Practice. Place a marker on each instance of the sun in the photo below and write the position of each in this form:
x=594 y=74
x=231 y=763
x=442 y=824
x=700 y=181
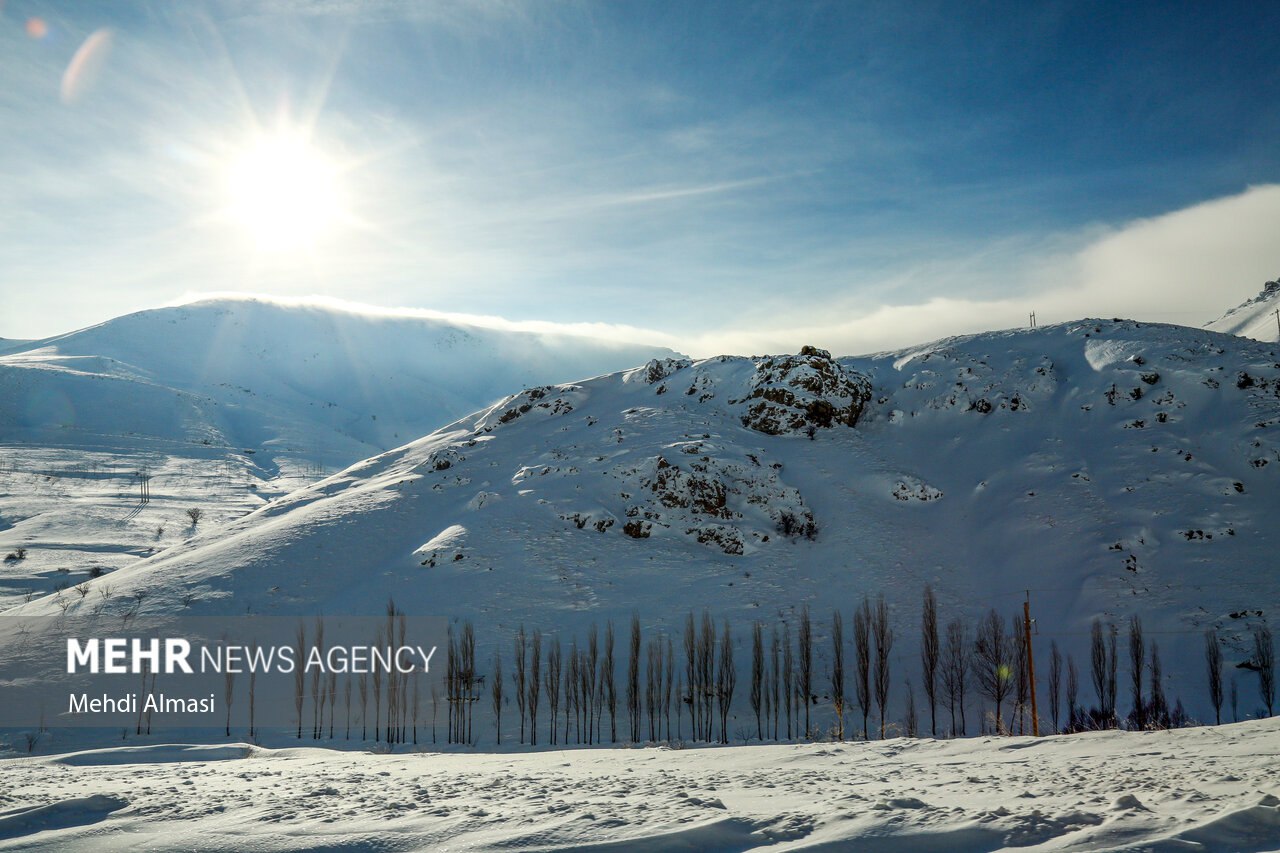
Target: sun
x=283 y=192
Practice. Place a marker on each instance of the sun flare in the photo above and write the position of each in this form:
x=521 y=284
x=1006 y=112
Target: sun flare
x=283 y=192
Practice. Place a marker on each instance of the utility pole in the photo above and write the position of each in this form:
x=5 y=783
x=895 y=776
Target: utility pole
x=1031 y=665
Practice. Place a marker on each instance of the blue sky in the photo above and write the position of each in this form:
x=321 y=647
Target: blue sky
x=715 y=176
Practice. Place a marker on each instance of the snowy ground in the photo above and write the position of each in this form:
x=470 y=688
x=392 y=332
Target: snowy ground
x=1211 y=788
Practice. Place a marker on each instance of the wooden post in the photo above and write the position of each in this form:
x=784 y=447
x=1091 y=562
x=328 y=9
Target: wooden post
x=1031 y=665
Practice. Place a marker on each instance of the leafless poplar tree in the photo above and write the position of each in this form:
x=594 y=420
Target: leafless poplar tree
x=653 y=684
x=788 y=666
x=534 y=685
x=1159 y=715
x=362 y=687
x=495 y=695
x=882 y=633
x=690 y=675
x=633 y=673
x=299 y=673
x=955 y=671
x=1073 y=694
x=552 y=679
x=668 y=684
x=912 y=724
x=1213 y=664
x=837 y=671
x=862 y=657
x=726 y=681
x=756 y=695
x=608 y=684
x=775 y=679
x=1264 y=657
x=1111 y=676
x=805 y=683
x=520 y=676
x=228 y=694
x=929 y=654
x=317 y=706
x=346 y=690
x=1137 y=664
x=707 y=674
x=1055 y=683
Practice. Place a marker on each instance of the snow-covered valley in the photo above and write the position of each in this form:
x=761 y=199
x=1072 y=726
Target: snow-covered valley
x=1102 y=468
x=1203 y=789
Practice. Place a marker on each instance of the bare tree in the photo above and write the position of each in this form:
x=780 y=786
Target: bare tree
x=805 y=684
x=862 y=657
x=253 y=702
x=495 y=695
x=775 y=679
x=1213 y=664
x=1137 y=662
x=1235 y=700
x=1159 y=713
x=299 y=673
x=332 y=694
x=346 y=690
x=912 y=725
x=552 y=683
x=882 y=633
x=1073 y=694
x=929 y=654
x=520 y=676
x=837 y=671
x=1102 y=659
x=571 y=690
x=376 y=677
x=195 y=514
x=362 y=687
x=726 y=681
x=633 y=675
x=1055 y=683
x=317 y=683
x=690 y=675
x=991 y=661
x=756 y=696
x=955 y=671
x=707 y=674
x=669 y=684
x=534 y=685
x=1264 y=657
x=609 y=687
x=229 y=694
x=653 y=685
x=1111 y=675
x=787 y=673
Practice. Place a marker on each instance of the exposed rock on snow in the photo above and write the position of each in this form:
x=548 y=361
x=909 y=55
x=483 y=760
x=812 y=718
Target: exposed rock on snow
x=795 y=392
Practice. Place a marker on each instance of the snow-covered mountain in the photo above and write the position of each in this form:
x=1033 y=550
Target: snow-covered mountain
x=1254 y=318
x=328 y=385
x=220 y=405
x=1109 y=467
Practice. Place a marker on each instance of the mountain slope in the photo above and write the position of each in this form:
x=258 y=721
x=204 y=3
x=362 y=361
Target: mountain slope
x=1255 y=318
x=1109 y=467
x=110 y=434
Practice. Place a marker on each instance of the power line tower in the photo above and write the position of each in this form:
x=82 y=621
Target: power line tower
x=1033 y=319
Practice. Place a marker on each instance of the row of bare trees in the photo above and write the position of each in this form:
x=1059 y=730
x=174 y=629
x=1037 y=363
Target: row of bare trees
x=686 y=686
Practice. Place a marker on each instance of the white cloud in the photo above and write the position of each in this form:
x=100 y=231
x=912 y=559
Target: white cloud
x=1185 y=267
